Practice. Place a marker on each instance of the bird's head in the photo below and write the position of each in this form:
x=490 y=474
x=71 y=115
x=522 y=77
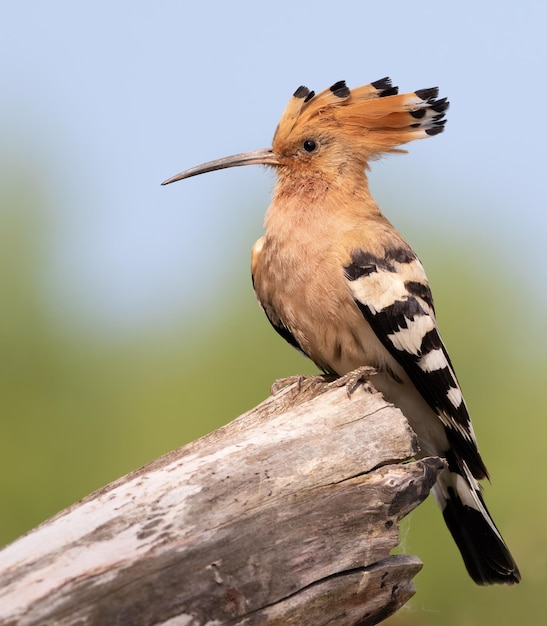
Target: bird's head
x=340 y=129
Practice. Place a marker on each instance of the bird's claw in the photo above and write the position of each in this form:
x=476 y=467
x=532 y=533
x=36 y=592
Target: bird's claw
x=352 y=380
x=299 y=379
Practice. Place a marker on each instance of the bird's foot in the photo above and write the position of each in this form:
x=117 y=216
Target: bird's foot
x=300 y=380
x=352 y=380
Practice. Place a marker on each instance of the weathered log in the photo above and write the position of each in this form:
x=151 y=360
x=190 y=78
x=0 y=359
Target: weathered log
x=286 y=515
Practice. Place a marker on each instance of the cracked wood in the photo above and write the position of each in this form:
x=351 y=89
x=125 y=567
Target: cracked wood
x=286 y=515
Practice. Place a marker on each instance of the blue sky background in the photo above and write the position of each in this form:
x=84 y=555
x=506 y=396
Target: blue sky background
x=101 y=101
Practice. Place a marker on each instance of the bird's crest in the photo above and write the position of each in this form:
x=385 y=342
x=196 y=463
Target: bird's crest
x=376 y=116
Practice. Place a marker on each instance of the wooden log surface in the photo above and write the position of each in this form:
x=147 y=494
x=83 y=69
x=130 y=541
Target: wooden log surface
x=287 y=515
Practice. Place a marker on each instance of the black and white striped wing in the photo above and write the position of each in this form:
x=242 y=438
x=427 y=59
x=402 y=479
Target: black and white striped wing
x=393 y=294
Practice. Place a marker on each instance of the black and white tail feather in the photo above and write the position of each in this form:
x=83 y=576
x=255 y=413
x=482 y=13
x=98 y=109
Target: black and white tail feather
x=484 y=552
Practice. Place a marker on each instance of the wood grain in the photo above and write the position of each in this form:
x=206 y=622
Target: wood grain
x=287 y=515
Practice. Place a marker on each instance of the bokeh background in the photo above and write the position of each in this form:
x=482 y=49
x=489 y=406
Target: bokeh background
x=128 y=325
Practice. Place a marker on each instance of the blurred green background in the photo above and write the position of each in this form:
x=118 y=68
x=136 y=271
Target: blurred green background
x=128 y=325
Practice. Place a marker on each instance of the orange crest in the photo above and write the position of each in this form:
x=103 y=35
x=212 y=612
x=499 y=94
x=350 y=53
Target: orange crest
x=374 y=116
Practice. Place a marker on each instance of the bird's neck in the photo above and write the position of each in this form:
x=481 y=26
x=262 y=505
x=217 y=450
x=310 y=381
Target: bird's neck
x=319 y=202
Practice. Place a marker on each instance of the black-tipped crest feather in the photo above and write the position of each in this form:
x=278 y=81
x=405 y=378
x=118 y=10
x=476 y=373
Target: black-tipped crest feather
x=372 y=119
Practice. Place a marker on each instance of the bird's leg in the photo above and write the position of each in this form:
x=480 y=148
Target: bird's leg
x=353 y=379
x=300 y=379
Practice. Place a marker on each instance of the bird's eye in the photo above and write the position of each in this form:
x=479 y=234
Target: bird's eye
x=309 y=145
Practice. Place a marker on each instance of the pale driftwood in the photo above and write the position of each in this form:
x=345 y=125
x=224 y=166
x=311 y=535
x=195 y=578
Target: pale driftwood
x=285 y=516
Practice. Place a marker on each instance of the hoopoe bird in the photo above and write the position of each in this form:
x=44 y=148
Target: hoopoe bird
x=338 y=282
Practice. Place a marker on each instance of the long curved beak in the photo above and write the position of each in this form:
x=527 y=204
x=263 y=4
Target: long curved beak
x=265 y=156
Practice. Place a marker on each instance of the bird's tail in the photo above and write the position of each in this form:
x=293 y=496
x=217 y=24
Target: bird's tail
x=484 y=552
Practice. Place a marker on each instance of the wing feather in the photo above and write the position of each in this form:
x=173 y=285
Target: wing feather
x=394 y=297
